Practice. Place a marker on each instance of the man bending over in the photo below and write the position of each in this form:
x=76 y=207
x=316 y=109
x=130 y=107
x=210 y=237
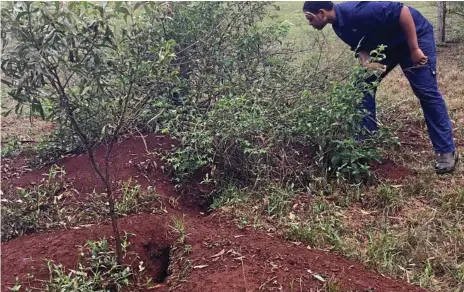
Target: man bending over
x=410 y=43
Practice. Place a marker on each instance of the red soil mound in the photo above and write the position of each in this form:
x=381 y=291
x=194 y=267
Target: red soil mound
x=223 y=257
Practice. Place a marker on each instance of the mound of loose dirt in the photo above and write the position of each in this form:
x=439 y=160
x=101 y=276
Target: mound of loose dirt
x=222 y=258
x=130 y=159
x=27 y=254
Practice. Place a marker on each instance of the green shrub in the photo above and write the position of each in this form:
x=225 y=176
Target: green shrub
x=260 y=136
x=86 y=67
x=96 y=271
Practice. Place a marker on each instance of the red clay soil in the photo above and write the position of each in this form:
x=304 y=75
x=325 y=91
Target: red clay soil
x=27 y=254
x=224 y=258
x=414 y=135
x=389 y=170
x=250 y=261
x=129 y=160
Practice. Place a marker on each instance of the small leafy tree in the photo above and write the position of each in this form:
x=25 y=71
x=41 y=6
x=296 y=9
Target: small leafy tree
x=92 y=67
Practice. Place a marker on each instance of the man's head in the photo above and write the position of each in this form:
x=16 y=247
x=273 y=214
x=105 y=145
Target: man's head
x=318 y=13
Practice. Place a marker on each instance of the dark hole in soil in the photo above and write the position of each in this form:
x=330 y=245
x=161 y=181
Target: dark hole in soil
x=161 y=259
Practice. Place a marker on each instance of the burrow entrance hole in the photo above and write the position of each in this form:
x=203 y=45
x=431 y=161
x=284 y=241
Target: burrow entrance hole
x=160 y=258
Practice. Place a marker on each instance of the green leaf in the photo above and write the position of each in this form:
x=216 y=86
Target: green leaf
x=123 y=10
x=85 y=90
x=37 y=107
x=117 y=5
x=100 y=9
x=21 y=14
x=138 y=4
x=16 y=288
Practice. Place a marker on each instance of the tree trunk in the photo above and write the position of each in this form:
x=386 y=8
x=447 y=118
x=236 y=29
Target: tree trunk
x=441 y=21
x=114 y=224
x=109 y=192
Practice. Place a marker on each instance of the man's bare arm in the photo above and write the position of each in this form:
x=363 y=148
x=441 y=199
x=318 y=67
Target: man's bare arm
x=409 y=29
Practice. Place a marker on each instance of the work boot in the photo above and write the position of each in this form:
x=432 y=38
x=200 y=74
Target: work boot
x=446 y=162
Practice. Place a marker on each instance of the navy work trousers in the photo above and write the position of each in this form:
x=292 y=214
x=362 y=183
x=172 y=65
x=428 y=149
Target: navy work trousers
x=423 y=81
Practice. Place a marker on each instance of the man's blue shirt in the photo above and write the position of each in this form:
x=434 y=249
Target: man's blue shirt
x=366 y=25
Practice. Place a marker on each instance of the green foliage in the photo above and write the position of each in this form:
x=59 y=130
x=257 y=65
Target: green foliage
x=49 y=204
x=12 y=146
x=133 y=198
x=263 y=136
x=59 y=141
x=324 y=228
x=179 y=228
x=222 y=48
x=96 y=271
x=35 y=208
x=390 y=199
x=95 y=72
x=83 y=67
x=230 y=196
x=278 y=201
x=384 y=251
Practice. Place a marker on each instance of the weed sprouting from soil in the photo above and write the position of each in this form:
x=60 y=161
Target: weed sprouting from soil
x=96 y=270
x=34 y=208
x=52 y=204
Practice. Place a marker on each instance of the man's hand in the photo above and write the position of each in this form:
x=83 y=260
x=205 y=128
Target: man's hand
x=409 y=29
x=381 y=68
x=418 y=57
x=364 y=59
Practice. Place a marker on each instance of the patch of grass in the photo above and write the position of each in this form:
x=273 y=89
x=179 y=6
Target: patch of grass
x=278 y=201
x=96 y=270
x=453 y=201
x=11 y=146
x=332 y=285
x=33 y=208
x=52 y=203
x=323 y=230
x=414 y=232
x=179 y=228
x=231 y=196
x=422 y=243
x=133 y=199
x=426 y=278
x=181 y=265
x=384 y=251
x=389 y=199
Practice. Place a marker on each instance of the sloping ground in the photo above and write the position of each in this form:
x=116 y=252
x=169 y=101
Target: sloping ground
x=236 y=260
x=222 y=258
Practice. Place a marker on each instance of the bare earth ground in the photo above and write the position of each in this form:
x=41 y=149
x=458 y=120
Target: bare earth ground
x=223 y=257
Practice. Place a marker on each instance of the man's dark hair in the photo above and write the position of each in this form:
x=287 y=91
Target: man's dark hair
x=315 y=6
